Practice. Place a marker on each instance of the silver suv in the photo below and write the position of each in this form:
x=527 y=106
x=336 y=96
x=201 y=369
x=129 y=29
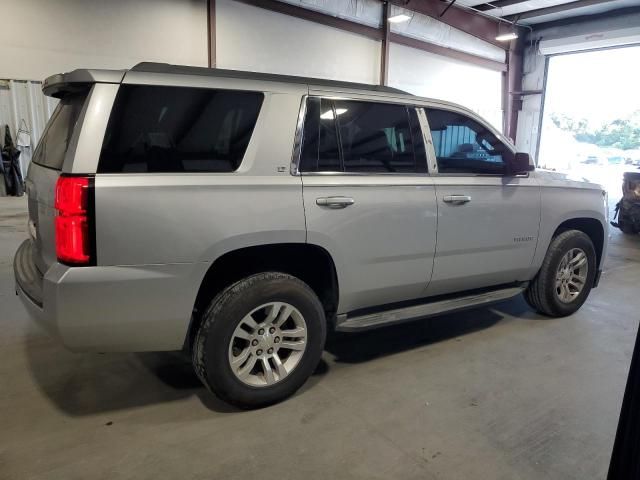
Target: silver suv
x=238 y=216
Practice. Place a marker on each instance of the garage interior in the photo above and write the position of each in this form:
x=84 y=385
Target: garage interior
x=494 y=393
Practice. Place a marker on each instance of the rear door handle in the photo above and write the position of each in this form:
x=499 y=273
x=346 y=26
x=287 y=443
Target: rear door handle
x=457 y=199
x=335 y=202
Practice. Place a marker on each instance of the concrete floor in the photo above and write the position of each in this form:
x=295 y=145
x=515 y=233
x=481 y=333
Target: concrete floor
x=497 y=393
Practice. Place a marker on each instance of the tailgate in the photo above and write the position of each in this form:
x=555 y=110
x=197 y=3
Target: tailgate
x=46 y=166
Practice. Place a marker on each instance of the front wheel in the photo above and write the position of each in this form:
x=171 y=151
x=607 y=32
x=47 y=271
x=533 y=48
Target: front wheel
x=567 y=274
x=260 y=339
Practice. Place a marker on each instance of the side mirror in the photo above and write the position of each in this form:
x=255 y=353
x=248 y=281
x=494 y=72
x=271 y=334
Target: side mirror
x=520 y=163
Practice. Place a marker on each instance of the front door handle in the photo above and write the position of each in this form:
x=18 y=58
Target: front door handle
x=335 y=202
x=457 y=199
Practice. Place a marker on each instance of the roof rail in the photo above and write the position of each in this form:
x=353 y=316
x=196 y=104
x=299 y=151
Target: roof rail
x=152 y=67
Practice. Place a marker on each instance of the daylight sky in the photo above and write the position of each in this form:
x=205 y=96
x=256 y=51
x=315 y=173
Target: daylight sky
x=599 y=86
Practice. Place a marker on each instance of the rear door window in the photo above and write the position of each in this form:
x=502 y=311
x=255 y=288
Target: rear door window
x=375 y=137
x=54 y=143
x=361 y=137
x=320 y=152
x=178 y=129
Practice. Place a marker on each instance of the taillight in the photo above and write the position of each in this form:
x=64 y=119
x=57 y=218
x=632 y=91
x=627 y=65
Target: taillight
x=73 y=241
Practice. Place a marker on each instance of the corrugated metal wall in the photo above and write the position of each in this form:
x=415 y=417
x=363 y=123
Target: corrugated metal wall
x=22 y=103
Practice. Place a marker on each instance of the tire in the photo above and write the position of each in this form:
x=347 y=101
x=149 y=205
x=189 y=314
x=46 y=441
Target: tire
x=226 y=322
x=543 y=294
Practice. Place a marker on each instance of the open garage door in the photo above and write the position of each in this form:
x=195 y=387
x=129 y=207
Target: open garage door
x=591 y=121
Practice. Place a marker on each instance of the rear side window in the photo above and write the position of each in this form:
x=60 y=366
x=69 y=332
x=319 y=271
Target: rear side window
x=178 y=129
x=363 y=137
x=54 y=144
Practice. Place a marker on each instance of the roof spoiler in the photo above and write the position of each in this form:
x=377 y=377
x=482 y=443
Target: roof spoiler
x=63 y=83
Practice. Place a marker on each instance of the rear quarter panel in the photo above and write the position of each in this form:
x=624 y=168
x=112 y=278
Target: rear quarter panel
x=158 y=233
x=155 y=218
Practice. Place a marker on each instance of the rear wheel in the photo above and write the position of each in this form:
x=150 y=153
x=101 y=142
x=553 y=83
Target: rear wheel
x=260 y=339
x=565 y=279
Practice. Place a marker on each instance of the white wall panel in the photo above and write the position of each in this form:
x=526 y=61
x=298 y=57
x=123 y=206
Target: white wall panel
x=42 y=37
x=252 y=38
x=430 y=75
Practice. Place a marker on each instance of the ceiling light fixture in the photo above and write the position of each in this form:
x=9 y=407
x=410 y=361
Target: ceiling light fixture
x=505 y=37
x=399 y=18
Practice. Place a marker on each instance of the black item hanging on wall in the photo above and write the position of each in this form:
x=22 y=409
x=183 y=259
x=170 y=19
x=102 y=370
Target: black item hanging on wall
x=625 y=459
x=11 y=166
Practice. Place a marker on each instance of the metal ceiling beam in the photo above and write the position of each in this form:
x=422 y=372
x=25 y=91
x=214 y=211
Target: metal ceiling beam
x=377 y=34
x=448 y=52
x=565 y=7
x=479 y=26
x=483 y=7
x=317 y=17
x=620 y=12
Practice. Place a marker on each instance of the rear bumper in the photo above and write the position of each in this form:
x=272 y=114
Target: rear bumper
x=29 y=286
x=111 y=308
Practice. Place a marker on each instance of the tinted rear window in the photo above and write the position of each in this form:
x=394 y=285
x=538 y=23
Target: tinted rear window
x=178 y=129
x=54 y=143
x=362 y=137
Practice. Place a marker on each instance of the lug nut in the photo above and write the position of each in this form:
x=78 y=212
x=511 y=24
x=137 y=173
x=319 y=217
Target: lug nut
x=261 y=331
x=270 y=351
x=259 y=352
x=254 y=342
x=276 y=340
x=272 y=330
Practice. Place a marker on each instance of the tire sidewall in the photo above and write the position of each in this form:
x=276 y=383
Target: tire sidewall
x=579 y=240
x=224 y=315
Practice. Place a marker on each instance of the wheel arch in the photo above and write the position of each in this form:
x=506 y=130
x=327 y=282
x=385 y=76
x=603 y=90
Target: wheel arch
x=310 y=263
x=592 y=227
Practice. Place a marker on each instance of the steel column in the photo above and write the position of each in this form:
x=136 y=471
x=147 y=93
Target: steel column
x=384 y=48
x=211 y=32
x=513 y=86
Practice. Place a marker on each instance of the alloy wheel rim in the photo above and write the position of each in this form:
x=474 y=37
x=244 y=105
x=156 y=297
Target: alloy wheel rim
x=268 y=344
x=571 y=275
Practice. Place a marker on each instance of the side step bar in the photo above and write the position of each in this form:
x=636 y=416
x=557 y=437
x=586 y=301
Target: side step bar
x=348 y=323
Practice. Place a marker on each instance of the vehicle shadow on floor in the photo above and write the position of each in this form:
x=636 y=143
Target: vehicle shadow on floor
x=88 y=384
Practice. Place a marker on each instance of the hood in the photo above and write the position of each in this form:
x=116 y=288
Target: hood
x=569 y=180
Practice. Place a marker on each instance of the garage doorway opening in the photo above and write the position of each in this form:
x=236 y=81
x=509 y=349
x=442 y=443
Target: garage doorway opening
x=591 y=121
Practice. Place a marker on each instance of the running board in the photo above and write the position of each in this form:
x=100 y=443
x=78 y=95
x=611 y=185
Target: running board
x=347 y=323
